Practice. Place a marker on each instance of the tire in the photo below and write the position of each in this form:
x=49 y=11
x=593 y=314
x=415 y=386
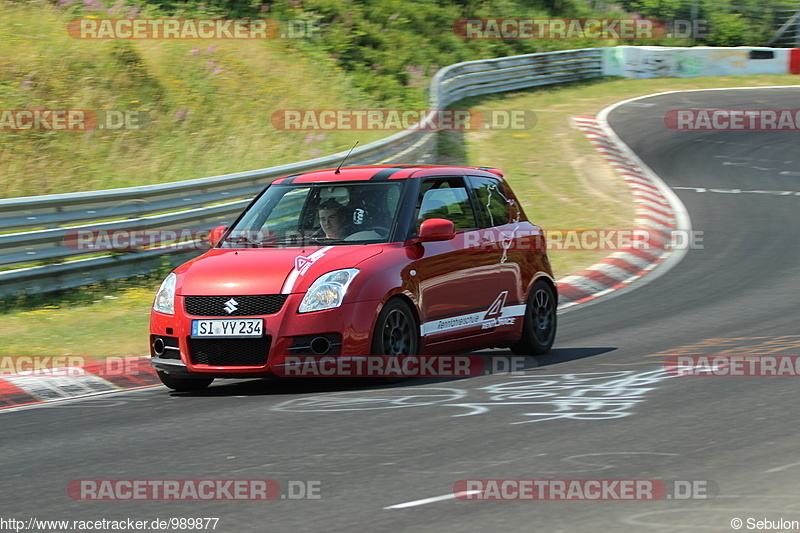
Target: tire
x=539 y=323
x=184 y=384
x=396 y=333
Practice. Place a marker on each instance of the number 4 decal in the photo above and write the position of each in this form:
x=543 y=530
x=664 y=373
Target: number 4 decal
x=497 y=306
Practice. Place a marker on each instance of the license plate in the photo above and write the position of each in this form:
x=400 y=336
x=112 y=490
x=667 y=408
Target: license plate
x=239 y=327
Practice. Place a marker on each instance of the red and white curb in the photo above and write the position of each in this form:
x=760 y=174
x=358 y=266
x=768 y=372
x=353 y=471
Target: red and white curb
x=23 y=389
x=655 y=217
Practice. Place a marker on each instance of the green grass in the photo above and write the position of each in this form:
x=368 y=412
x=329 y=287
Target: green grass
x=105 y=319
x=209 y=104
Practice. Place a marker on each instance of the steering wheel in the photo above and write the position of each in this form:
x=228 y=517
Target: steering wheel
x=318 y=236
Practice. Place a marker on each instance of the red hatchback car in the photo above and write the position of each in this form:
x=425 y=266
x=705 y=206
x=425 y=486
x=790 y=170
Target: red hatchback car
x=369 y=260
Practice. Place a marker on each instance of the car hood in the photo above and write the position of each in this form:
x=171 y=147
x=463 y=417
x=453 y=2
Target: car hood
x=223 y=272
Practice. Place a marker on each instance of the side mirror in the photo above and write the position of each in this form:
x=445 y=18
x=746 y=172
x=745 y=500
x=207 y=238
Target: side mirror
x=436 y=229
x=215 y=235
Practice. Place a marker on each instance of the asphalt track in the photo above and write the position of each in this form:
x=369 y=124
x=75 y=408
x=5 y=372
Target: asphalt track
x=598 y=407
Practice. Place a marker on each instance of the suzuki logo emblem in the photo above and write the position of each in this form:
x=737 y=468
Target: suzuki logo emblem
x=231 y=306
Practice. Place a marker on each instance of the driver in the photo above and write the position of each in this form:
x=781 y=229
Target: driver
x=332 y=218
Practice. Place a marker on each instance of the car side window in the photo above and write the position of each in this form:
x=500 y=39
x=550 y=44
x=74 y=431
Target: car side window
x=491 y=200
x=445 y=198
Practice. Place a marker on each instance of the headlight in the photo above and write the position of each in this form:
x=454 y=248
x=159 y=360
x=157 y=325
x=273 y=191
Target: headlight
x=165 y=297
x=328 y=290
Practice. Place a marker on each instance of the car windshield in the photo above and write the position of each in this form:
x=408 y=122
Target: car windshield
x=318 y=214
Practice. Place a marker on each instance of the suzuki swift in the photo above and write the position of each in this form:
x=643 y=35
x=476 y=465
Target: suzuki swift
x=358 y=261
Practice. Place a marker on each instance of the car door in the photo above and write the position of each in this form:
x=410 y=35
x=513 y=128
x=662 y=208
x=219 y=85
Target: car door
x=502 y=238
x=457 y=278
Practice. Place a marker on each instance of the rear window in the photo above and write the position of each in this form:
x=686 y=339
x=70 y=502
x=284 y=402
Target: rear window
x=491 y=200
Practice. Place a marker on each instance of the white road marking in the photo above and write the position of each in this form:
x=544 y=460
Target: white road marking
x=435 y=499
x=739 y=191
x=780 y=468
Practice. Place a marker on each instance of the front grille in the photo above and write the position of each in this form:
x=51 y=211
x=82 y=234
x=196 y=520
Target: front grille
x=230 y=352
x=263 y=304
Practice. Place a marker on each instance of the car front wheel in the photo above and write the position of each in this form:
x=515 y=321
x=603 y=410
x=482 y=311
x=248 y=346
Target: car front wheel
x=396 y=334
x=539 y=322
x=396 y=331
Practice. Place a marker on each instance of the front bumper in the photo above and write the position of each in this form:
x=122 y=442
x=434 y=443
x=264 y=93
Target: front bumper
x=348 y=329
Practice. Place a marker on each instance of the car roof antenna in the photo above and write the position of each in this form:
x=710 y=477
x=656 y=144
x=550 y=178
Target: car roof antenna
x=345 y=159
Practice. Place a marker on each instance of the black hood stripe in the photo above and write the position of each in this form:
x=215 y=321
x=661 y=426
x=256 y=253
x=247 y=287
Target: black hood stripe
x=386 y=172
x=290 y=179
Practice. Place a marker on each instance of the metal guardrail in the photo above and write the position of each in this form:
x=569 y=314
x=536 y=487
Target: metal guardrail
x=37 y=225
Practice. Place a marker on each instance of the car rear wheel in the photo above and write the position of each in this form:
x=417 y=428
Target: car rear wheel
x=184 y=384
x=539 y=322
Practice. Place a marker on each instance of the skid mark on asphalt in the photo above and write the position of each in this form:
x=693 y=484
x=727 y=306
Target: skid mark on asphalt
x=353 y=401
x=613 y=459
x=745 y=346
x=750 y=346
x=736 y=345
